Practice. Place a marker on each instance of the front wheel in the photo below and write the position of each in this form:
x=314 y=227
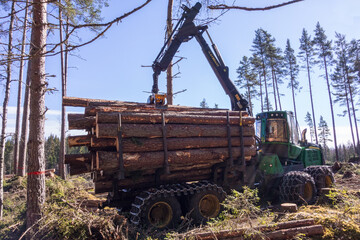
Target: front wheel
x=297 y=187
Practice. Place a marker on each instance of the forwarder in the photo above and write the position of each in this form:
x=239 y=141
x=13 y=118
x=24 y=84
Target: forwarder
x=286 y=165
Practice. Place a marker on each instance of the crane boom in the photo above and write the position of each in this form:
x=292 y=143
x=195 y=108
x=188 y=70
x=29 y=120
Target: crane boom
x=186 y=31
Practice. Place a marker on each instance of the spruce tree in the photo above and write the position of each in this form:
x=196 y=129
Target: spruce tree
x=323 y=50
x=292 y=70
x=306 y=55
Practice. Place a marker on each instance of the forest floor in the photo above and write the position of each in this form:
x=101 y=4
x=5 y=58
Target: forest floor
x=70 y=213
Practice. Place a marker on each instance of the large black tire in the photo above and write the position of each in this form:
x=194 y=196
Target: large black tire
x=206 y=204
x=297 y=187
x=161 y=212
x=323 y=176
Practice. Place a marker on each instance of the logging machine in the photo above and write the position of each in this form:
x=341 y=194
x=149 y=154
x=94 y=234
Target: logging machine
x=284 y=165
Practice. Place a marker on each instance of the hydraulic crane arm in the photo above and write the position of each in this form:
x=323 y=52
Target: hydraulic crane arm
x=188 y=30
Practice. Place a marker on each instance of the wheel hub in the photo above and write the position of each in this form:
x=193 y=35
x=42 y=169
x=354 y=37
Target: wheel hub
x=209 y=206
x=160 y=214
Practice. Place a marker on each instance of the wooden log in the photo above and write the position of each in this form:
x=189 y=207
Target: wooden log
x=153 y=160
x=289 y=207
x=82 y=102
x=132 y=145
x=82 y=140
x=156 y=144
x=79 y=163
x=91 y=110
x=102 y=117
x=79 y=121
x=108 y=130
x=292 y=232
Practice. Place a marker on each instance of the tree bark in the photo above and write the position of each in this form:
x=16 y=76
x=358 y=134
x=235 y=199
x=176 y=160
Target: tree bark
x=18 y=108
x=62 y=168
x=36 y=166
x=5 y=106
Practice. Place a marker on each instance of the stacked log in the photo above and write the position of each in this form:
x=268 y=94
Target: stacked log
x=180 y=143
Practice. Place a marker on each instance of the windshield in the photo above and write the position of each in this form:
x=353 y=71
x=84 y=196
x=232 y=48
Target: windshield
x=276 y=130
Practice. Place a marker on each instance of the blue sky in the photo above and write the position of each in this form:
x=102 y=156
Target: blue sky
x=110 y=68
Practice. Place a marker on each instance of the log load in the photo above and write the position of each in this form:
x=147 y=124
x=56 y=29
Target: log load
x=184 y=143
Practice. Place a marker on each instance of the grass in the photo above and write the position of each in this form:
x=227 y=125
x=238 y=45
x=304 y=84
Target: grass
x=63 y=218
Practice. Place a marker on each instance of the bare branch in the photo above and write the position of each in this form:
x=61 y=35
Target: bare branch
x=224 y=6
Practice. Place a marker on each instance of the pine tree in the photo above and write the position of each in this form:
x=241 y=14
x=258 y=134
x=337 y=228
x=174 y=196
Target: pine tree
x=274 y=62
x=9 y=62
x=247 y=80
x=259 y=53
x=292 y=70
x=323 y=50
x=342 y=94
x=324 y=134
x=306 y=55
x=310 y=123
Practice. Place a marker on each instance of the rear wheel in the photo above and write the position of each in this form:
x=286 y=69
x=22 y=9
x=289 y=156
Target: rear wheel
x=297 y=187
x=161 y=212
x=206 y=204
x=323 y=176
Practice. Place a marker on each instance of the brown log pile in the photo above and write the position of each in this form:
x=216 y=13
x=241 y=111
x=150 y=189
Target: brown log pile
x=189 y=140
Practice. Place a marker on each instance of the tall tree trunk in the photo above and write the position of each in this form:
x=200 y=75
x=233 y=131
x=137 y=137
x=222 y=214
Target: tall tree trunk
x=293 y=96
x=5 y=105
x=62 y=168
x=311 y=98
x=274 y=88
x=332 y=110
x=249 y=97
x=357 y=148
x=36 y=160
x=24 y=125
x=266 y=90
x=169 y=79
x=278 y=93
x=349 y=113
x=21 y=71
